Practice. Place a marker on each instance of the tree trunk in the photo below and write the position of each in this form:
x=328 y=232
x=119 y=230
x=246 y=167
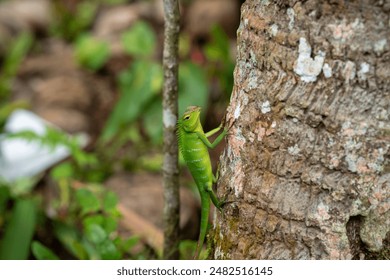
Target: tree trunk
x=307 y=157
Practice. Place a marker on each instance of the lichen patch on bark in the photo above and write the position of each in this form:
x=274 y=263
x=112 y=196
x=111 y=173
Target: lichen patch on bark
x=306 y=67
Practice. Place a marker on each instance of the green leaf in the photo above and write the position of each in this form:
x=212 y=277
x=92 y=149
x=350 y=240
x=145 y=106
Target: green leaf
x=91 y=53
x=140 y=40
x=187 y=249
x=152 y=162
x=84 y=159
x=95 y=233
x=4 y=197
x=68 y=23
x=219 y=47
x=12 y=61
x=9 y=107
x=90 y=249
x=110 y=201
x=193 y=88
x=94 y=219
x=129 y=243
x=70 y=238
x=88 y=201
x=23 y=186
x=63 y=171
x=220 y=64
x=152 y=121
x=138 y=88
x=19 y=231
x=41 y=252
x=108 y=250
x=110 y=224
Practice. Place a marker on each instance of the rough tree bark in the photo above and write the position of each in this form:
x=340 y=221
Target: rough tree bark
x=307 y=157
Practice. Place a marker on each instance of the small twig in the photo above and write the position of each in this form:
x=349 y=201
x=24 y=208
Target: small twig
x=170 y=112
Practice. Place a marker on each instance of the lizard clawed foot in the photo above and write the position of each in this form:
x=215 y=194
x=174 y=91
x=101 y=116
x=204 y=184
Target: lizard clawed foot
x=224 y=202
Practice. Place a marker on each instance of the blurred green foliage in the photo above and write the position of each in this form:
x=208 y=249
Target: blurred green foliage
x=95 y=210
x=71 y=20
x=220 y=63
x=41 y=252
x=70 y=23
x=139 y=40
x=18 y=233
x=138 y=86
x=10 y=65
x=85 y=217
x=13 y=59
x=141 y=84
x=81 y=221
x=90 y=52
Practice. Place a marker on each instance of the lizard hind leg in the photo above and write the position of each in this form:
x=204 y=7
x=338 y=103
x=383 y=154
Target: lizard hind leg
x=214 y=197
x=216 y=176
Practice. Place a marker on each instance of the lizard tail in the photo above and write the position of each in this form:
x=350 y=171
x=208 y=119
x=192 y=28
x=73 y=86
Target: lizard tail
x=204 y=221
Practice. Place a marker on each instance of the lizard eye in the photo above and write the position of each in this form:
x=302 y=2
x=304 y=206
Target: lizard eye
x=187 y=117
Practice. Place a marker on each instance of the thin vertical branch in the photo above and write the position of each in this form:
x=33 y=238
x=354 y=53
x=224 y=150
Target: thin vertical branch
x=170 y=111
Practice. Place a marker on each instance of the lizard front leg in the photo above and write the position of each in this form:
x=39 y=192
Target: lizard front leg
x=206 y=141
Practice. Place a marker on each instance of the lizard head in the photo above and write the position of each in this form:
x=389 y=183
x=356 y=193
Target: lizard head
x=190 y=119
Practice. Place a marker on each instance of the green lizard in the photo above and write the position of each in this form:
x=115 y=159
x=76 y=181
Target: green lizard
x=193 y=144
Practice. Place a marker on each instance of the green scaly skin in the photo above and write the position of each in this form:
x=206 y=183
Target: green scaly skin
x=193 y=144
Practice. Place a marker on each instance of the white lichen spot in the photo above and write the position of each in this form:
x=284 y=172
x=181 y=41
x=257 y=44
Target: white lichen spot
x=377 y=165
x=291 y=16
x=246 y=22
x=251 y=137
x=238 y=179
x=349 y=71
x=322 y=211
x=362 y=128
x=344 y=31
x=327 y=70
x=293 y=150
x=252 y=83
x=253 y=61
x=169 y=119
x=260 y=133
x=379 y=46
x=265 y=2
x=357 y=24
x=351 y=160
x=245 y=99
x=237 y=112
x=265 y=107
x=237 y=188
x=273 y=124
x=351 y=144
x=361 y=165
x=307 y=67
x=274 y=29
x=236 y=142
x=346 y=125
x=229 y=152
x=364 y=69
x=334 y=162
x=218 y=254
